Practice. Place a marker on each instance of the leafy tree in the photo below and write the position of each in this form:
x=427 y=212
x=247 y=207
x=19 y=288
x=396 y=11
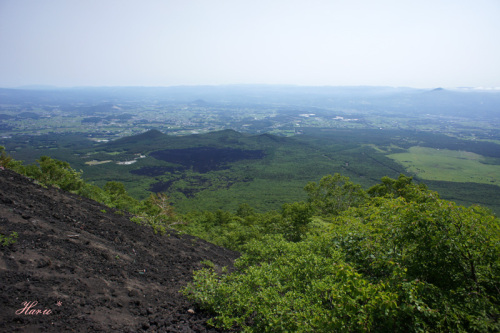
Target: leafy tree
x=334 y=194
x=158 y=205
x=115 y=189
x=451 y=251
x=401 y=187
x=94 y=192
x=6 y=161
x=296 y=218
x=157 y=212
x=56 y=173
x=119 y=198
x=245 y=210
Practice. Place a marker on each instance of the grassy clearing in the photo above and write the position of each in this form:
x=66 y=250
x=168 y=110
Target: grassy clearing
x=448 y=165
x=95 y=162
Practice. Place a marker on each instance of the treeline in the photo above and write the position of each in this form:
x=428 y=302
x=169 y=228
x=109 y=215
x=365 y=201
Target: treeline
x=393 y=258
x=407 y=139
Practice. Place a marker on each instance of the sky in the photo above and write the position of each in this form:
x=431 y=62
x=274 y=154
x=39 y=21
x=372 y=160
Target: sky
x=404 y=43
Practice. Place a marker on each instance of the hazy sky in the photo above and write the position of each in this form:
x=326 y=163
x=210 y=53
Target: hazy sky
x=414 y=43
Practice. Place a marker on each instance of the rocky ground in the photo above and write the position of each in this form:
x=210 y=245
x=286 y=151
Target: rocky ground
x=78 y=266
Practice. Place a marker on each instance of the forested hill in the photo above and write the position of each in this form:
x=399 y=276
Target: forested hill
x=87 y=268
x=266 y=170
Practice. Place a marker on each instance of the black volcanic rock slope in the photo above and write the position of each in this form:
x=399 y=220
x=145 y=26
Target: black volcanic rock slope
x=77 y=266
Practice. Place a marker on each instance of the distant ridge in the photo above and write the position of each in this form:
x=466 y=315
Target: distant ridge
x=37 y=87
x=199 y=102
x=226 y=133
x=151 y=135
x=269 y=137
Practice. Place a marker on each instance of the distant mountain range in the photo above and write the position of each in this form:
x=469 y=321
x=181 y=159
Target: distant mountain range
x=463 y=102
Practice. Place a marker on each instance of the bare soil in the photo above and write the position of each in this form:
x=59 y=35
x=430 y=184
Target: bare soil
x=78 y=266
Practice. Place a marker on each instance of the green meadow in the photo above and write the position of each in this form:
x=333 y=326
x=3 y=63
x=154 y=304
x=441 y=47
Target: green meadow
x=449 y=165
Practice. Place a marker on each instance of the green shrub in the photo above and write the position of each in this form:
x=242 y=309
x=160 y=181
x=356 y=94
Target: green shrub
x=334 y=194
x=8 y=162
x=405 y=261
x=56 y=173
x=8 y=240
